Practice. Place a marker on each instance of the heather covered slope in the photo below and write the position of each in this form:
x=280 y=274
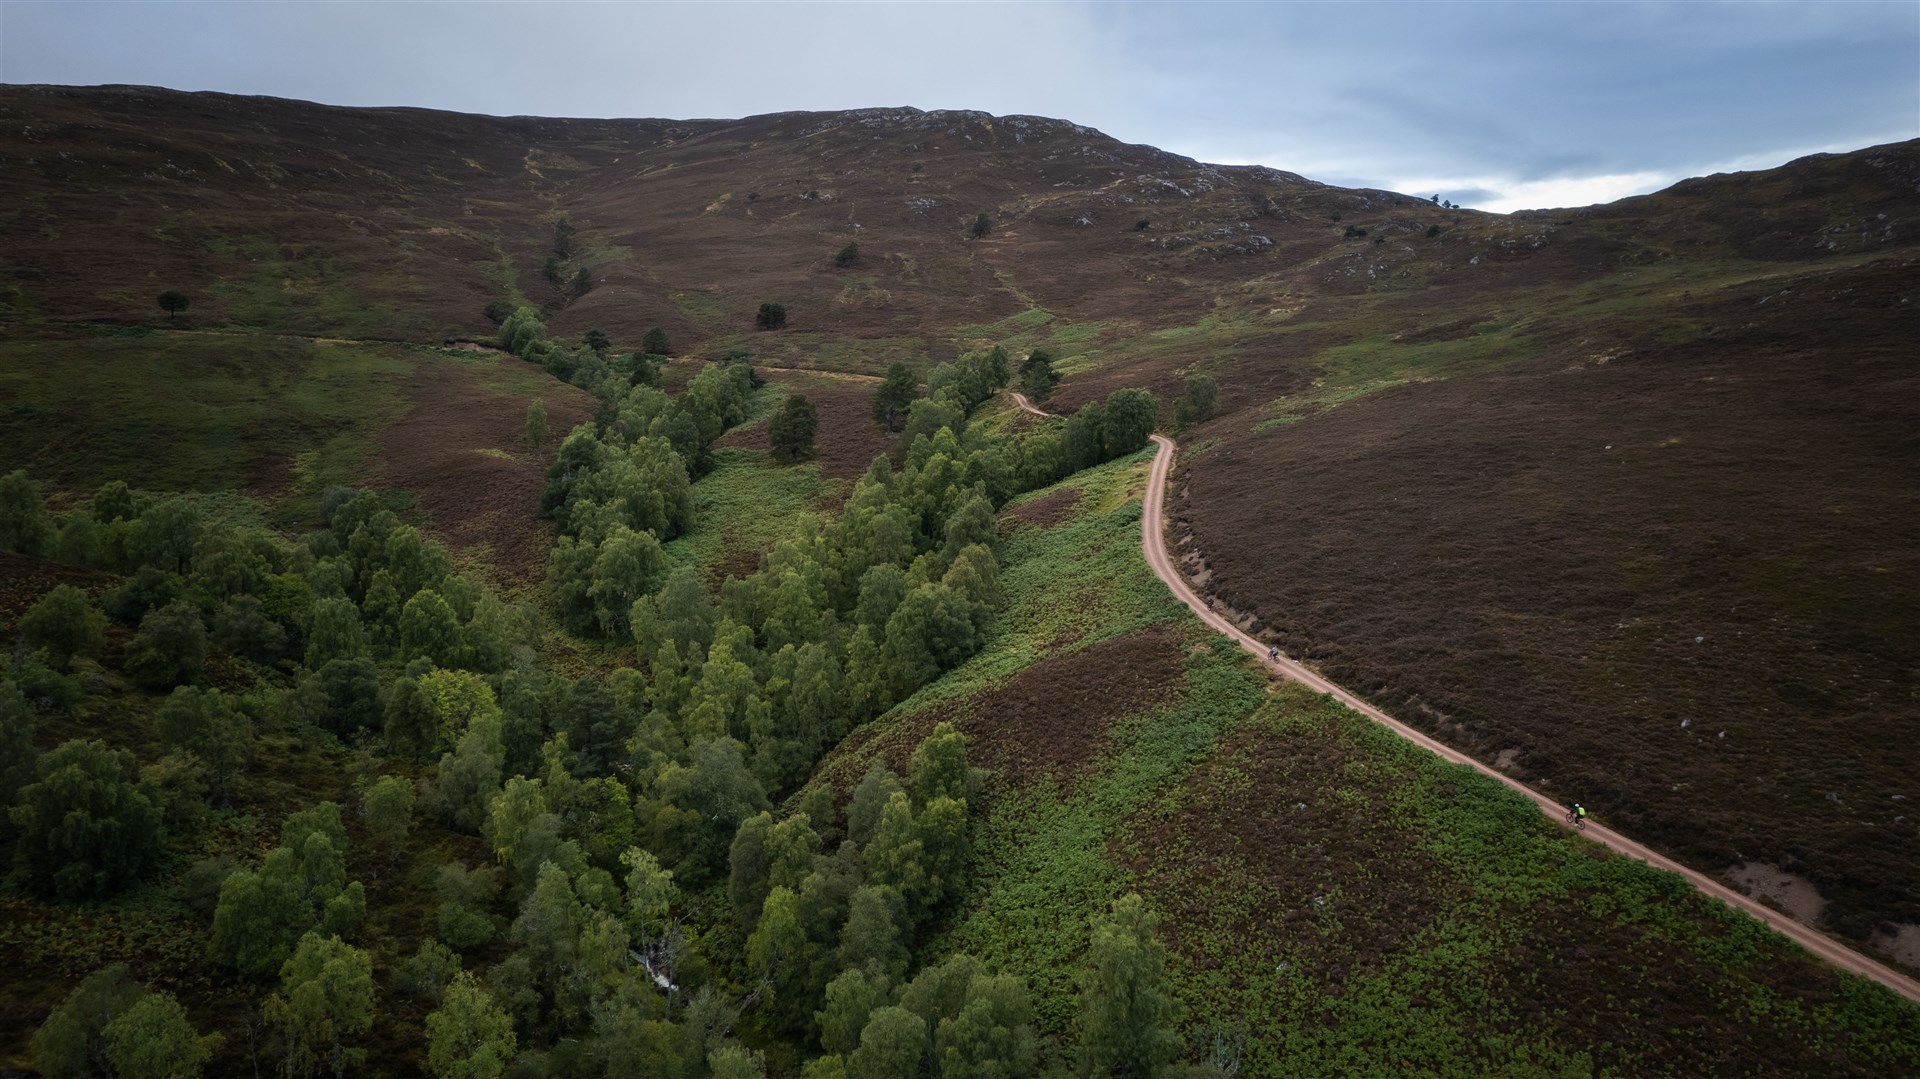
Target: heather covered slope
x=1408 y=481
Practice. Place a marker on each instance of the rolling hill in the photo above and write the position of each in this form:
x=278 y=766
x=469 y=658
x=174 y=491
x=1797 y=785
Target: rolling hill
x=1621 y=499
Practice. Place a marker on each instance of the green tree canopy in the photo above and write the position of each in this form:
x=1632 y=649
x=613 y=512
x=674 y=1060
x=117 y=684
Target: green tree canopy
x=469 y=1036
x=1037 y=376
x=65 y=624
x=169 y=649
x=790 y=431
x=895 y=396
x=325 y=1002
x=72 y=1041
x=1127 y=1010
x=173 y=303
x=82 y=828
x=772 y=316
x=655 y=343
x=152 y=1039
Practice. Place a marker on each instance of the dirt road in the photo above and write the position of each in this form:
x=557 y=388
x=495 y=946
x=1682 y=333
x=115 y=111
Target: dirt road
x=1153 y=544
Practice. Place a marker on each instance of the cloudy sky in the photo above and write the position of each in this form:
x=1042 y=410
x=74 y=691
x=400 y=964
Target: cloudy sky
x=1500 y=106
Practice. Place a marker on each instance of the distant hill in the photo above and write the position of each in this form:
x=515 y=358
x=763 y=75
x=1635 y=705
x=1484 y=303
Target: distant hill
x=1580 y=489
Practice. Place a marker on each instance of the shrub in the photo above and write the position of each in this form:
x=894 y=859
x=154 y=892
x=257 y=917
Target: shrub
x=982 y=224
x=848 y=256
x=772 y=316
x=497 y=311
x=1141 y=225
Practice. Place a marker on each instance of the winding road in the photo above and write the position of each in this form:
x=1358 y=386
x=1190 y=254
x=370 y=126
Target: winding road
x=1153 y=544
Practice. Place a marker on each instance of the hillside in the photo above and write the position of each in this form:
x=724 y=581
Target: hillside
x=1619 y=499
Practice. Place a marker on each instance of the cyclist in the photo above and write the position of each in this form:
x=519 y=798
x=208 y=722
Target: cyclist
x=1577 y=816
x=1273 y=653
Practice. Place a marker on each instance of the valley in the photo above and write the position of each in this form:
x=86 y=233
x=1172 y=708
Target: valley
x=1613 y=503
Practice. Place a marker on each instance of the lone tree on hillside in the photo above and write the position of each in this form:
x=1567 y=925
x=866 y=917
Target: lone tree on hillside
x=791 y=429
x=655 y=343
x=1037 y=376
x=981 y=226
x=536 y=433
x=772 y=316
x=173 y=303
x=848 y=256
x=597 y=340
x=1203 y=394
x=895 y=396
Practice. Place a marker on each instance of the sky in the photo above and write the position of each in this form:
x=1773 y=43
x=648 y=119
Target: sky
x=1495 y=105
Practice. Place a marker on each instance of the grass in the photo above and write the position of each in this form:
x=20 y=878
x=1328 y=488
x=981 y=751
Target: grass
x=195 y=411
x=741 y=508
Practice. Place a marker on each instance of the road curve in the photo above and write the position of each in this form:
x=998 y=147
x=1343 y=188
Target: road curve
x=1153 y=544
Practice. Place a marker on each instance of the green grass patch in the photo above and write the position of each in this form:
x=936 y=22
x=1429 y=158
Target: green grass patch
x=744 y=506
x=195 y=411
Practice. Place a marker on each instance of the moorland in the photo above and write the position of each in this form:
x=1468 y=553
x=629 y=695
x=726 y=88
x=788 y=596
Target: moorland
x=439 y=729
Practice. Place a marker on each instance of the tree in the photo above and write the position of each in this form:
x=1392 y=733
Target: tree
x=173 y=303
x=24 y=524
x=772 y=316
x=469 y=1036
x=65 y=624
x=1130 y=417
x=536 y=430
x=153 y=1040
x=850 y=1000
x=870 y=940
x=893 y=1043
x=1127 y=1010
x=894 y=398
x=465 y=894
x=429 y=628
x=940 y=767
x=870 y=799
x=325 y=1000
x=597 y=340
x=1203 y=394
x=72 y=1042
x=655 y=343
x=82 y=828
x=848 y=256
x=1037 y=376
x=388 y=806
x=992 y=1035
x=982 y=225
x=497 y=311
x=210 y=725
x=790 y=431
x=18 y=755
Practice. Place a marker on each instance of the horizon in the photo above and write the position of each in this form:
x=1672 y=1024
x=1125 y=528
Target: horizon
x=1496 y=107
